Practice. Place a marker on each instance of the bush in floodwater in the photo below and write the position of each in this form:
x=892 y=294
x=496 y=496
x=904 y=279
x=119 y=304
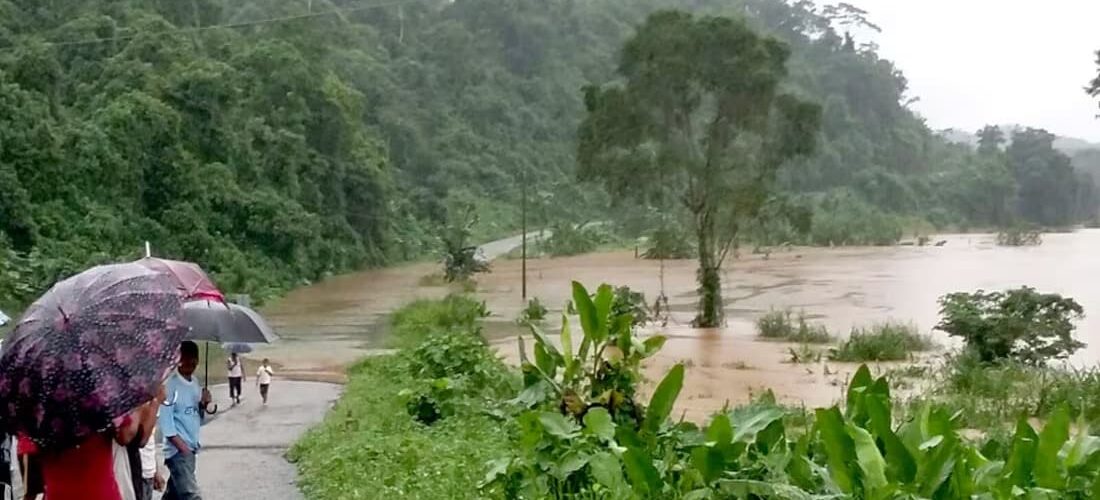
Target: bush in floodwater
x=410 y=325
x=534 y=311
x=782 y=325
x=669 y=242
x=882 y=342
x=1020 y=324
x=569 y=239
x=1020 y=236
x=844 y=219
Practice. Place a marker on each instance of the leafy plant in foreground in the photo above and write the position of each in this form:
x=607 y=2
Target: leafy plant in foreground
x=1019 y=324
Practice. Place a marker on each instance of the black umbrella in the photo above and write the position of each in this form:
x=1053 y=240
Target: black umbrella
x=215 y=321
x=91 y=349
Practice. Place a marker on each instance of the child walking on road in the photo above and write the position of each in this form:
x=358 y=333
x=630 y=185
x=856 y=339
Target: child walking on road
x=263 y=379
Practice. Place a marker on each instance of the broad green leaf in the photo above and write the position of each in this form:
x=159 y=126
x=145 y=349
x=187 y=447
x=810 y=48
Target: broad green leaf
x=900 y=464
x=643 y=475
x=699 y=494
x=607 y=471
x=568 y=464
x=541 y=338
x=871 y=463
x=767 y=439
x=497 y=469
x=1055 y=434
x=597 y=421
x=604 y=297
x=720 y=431
x=567 y=350
x=749 y=420
x=653 y=344
x=1021 y=458
x=799 y=469
x=839 y=448
x=709 y=462
x=1080 y=448
x=545 y=361
x=937 y=464
x=857 y=386
x=587 y=312
x=664 y=398
x=747 y=488
x=558 y=425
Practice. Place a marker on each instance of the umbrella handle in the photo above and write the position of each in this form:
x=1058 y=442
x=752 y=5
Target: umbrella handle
x=209 y=411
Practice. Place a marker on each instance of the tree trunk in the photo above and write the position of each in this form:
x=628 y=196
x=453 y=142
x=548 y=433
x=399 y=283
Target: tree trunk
x=710 y=313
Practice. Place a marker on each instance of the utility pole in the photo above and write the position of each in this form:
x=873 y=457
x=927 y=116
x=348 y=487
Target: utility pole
x=523 y=223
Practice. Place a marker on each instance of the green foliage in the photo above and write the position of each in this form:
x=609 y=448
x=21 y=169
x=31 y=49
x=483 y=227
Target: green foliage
x=882 y=342
x=534 y=311
x=569 y=239
x=1019 y=235
x=986 y=396
x=375 y=442
x=418 y=321
x=460 y=259
x=669 y=242
x=843 y=219
x=677 y=73
x=628 y=303
x=1019 y=324
x=781 y=325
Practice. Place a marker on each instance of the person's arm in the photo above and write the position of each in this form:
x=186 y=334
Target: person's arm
x=167 y=424
x=128 y=427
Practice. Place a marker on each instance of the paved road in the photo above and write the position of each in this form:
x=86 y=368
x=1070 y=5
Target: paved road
x=244 y=446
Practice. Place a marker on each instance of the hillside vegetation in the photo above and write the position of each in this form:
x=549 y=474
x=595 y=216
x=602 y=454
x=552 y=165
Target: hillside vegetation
x=279 y=142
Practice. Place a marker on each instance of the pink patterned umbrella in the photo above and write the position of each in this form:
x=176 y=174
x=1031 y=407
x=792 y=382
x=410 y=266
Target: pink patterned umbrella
x=189 y=277
x=92 y=348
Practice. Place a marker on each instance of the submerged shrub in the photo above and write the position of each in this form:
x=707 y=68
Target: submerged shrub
x=882 y=342
x=781 y=325
x=669 y=242
x=1019 y=324
x=1020 y=236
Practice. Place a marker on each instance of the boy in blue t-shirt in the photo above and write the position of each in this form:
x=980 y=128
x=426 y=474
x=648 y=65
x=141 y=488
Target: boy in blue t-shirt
x=180 y=422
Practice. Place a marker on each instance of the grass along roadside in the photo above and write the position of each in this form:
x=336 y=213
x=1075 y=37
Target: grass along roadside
x=372 y=445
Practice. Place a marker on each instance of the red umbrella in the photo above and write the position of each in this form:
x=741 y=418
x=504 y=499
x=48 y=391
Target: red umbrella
x=190 y=278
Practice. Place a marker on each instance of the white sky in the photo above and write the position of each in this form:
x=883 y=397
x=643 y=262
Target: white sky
x=974 y=62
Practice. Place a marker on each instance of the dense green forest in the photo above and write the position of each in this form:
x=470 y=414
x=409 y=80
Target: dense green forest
x=278 y=142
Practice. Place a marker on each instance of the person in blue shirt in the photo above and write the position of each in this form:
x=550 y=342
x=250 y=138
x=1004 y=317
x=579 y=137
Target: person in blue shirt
x=180 y=421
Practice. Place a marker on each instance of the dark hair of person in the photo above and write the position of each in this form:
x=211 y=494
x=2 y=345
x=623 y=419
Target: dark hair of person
x=189 y=349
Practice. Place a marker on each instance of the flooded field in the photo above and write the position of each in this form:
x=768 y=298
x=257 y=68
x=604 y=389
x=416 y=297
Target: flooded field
x=330 y=324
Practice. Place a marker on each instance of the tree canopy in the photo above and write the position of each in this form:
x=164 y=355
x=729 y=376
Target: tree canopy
x=279 y=142
x=702 y=114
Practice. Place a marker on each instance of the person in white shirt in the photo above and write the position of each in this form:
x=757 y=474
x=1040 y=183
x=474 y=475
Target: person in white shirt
x=235 y=370
x=263 y=379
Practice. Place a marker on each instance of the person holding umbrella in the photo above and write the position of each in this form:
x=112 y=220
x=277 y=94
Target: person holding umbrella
x=78 y=367
x=180 y=424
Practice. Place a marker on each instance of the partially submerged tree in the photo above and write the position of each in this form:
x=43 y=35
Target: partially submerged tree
x=460 y=258
x=700 y=111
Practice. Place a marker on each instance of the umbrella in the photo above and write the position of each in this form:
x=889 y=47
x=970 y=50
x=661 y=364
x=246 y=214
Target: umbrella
x=237 y=348
x=220 y=322
x=214 y=321
x=190 y=278
x=92 y=348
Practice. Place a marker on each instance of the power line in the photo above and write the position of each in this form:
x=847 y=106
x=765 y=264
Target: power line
x=243 y=24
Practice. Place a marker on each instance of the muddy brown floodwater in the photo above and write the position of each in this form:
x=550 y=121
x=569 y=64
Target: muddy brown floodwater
x=330 y=324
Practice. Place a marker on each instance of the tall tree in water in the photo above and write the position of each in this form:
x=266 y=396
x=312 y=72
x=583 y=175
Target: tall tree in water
x=701 y=111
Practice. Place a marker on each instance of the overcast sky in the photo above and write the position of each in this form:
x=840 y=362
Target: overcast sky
x=973 y=62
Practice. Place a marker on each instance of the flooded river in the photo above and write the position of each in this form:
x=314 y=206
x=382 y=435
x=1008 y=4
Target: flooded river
x=330 y=324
